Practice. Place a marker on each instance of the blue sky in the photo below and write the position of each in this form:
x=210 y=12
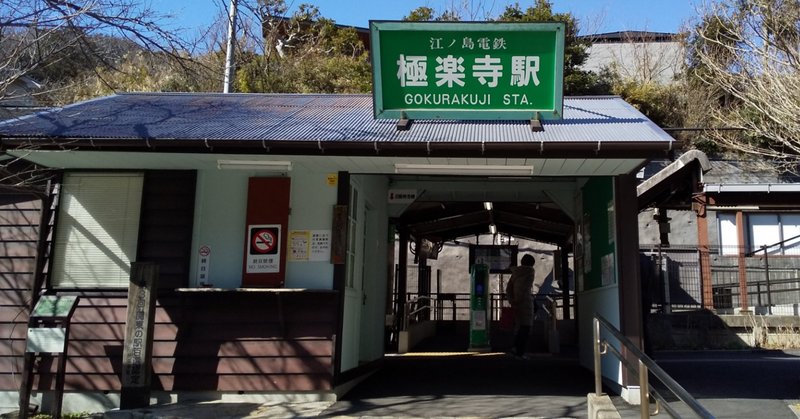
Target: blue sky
x=595 y=16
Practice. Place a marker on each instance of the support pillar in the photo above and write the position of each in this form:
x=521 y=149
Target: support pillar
x=743 y=300
x=627 y=246
x=565 y=272
x=402 y=274
x=703 y=246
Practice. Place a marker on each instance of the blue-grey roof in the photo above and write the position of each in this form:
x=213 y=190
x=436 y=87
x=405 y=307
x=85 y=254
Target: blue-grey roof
x=731 y=172
x=317 y=118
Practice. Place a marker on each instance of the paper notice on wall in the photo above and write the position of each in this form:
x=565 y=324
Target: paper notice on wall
x=299 y=245
x=310 y=245
x=609 y=274
x=320 y=246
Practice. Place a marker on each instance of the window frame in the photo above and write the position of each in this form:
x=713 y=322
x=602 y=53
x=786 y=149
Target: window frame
x=60 y=236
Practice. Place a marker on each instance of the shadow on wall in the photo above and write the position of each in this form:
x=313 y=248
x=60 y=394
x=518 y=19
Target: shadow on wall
x=703 y=329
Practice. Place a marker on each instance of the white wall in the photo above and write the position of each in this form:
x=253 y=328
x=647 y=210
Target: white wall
x=362 y=339
x=219 y=223
x=603 y=301
x=312 y=201
x=220 y=208
x=642 y=61
x=376 y=280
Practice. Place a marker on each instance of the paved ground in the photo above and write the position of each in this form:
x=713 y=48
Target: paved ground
x=490 y=386
x=730 y=385
x=736 y=384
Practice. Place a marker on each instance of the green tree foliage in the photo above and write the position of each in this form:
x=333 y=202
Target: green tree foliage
x=427 y=14
x=662 y=103
x=302 y=54
x=576 y=80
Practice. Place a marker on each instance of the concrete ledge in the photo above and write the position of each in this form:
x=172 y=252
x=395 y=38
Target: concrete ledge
x=415 y=334
x=601 y=407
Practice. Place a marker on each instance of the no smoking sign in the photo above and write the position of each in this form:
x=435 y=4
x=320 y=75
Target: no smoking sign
x=264 y=240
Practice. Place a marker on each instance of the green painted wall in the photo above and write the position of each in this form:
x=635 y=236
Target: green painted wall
x=598 y=222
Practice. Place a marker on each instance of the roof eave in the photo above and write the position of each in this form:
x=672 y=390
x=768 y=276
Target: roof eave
x=527 y=149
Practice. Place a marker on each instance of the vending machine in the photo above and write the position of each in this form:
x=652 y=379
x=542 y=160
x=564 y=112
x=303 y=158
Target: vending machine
x=479 y=308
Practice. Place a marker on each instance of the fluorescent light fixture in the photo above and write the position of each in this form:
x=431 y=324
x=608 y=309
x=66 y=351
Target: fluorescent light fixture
x=492 y=228
x=462 y=169
x=266 y=165
x=487 y=205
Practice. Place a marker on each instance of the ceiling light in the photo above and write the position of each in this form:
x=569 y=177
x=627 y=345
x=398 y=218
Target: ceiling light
x=487 y=205
x=462 y=169
x=267 y=165
x=492 y=228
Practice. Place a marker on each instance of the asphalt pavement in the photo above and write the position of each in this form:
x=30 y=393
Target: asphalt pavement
x=477 y=385
x=733 y=384
x=746 y=384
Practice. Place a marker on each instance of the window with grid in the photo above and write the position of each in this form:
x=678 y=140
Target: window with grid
x=97 y=232
x=779 y=232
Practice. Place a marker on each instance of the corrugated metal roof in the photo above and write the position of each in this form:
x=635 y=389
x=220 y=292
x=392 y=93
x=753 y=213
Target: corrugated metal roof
x=314 y=117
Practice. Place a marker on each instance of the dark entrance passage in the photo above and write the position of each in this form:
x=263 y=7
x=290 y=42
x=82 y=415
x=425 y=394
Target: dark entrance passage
x=471 y=385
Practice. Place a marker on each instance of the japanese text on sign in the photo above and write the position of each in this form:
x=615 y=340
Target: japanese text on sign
x=472 y=70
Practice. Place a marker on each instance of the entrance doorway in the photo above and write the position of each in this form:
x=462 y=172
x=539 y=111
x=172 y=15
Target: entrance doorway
x=440 y=232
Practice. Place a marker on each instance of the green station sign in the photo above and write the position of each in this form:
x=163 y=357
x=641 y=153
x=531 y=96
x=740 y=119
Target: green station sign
x=467 y=71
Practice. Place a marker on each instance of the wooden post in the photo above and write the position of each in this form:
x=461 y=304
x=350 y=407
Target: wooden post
x=743 y=299
x=699 y=206
x=627 y=247
x=26 y=386
x=138 y=349
x=403 y=275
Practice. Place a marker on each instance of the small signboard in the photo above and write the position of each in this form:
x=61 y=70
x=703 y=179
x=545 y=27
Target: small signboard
x=263 y=255
x=402 y=196
x=203 y=265
x=46 y=340
x=467 y=71
x=54 y=306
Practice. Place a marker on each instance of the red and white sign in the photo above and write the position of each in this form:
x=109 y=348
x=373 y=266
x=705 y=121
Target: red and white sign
x=264 y=254
x=203 y=266
x=263 y=242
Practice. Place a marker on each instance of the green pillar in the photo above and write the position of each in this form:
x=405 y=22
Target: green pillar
x=479 y=309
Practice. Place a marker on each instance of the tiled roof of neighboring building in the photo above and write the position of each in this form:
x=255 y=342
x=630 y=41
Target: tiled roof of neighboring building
x=632 y=36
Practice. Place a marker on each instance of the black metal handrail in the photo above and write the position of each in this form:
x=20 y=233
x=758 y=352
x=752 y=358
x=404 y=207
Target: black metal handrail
x=411 y=313
x=645 y=366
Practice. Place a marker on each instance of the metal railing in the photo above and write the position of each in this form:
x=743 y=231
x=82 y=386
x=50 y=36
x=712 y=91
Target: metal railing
x=412 y=312
x=455 y=306
x=757 y=280
x=644 y=368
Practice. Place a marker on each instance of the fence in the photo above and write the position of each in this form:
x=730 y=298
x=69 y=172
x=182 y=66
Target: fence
x=763 y=281
x=455 y=306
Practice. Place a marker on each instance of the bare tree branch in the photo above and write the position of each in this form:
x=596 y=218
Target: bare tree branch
x=749 y=52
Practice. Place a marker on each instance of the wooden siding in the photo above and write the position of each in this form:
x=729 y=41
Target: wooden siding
x=204 y=341
x=257 y=341
x=19 y=233
x=165 y=228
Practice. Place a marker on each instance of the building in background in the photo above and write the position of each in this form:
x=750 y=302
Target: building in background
x=639 y=55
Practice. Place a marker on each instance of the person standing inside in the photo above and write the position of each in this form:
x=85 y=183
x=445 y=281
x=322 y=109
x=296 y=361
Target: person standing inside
x=519 y=289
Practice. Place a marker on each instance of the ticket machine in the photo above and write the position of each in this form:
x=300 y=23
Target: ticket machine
x=479 y=308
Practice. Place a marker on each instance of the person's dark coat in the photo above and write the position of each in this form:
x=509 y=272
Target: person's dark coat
x=522 y=285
